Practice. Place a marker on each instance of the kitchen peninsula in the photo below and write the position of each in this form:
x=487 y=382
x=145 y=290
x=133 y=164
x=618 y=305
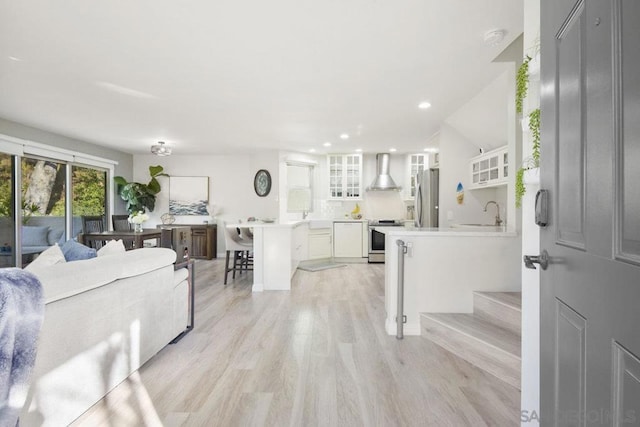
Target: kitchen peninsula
x=278 y=248
x=443 y=266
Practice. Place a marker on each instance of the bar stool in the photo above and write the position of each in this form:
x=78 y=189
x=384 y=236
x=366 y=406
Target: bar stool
x=241 y=248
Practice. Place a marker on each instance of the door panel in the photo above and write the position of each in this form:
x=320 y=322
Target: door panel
x=570 y=376
x=590 y=148
x=629 y=150
x=626 y=387
x=570 y=140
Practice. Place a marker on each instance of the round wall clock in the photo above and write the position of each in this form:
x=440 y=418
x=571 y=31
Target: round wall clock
x=262 y=182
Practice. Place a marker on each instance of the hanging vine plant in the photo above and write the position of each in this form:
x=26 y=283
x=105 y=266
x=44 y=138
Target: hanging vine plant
x=520 y=188
x=522 y=83
x=534 y=160
x=534 y=127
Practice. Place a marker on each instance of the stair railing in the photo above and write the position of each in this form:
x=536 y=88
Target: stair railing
x=400 y=318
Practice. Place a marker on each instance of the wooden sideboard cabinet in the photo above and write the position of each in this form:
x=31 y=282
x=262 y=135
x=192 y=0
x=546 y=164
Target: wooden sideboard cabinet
x=204 y=238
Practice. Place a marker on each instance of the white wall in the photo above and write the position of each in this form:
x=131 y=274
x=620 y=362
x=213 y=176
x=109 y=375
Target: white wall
x=230 y=185
x=455 y=152
x=530 y=396
x=373 y=204
x=124 y=167
x=486 y=121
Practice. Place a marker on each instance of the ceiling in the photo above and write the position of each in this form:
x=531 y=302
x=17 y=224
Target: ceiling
x=235 y=75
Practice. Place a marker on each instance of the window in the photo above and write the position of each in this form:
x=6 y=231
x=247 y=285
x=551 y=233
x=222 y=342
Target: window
x=299 y=187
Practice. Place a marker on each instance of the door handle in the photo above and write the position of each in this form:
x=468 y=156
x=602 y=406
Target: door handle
x=542 y=259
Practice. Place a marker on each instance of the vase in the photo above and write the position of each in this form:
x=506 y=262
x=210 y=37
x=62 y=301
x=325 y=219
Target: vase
x=137 y=227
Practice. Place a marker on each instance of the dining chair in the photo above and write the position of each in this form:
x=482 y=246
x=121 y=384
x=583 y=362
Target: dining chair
x=241 y=249
x=121 y=223
x=94 y=224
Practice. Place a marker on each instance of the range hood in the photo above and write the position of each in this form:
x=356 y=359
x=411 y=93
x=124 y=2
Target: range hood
x=383 y=181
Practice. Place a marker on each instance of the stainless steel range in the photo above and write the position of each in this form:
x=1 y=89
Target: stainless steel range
x=376 y=239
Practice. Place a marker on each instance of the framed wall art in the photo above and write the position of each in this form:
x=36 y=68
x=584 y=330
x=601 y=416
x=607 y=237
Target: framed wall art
x=188 y=195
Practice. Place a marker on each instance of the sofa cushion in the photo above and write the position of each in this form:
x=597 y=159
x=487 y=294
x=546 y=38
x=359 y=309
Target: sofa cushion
x=67 y=279
x=112 y=247
x=35 y=236
x=142 y=260
x=74 y=251
x=53 y=255
x=54 y=235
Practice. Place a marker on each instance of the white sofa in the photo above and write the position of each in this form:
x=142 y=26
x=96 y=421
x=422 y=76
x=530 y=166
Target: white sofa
x=104 y=318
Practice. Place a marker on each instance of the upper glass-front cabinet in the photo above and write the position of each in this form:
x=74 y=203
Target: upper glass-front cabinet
x=345 y=176
x=415 y=163
x=490 y=169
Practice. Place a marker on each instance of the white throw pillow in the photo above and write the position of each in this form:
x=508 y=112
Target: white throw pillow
x=51 y=256
x=111 y=248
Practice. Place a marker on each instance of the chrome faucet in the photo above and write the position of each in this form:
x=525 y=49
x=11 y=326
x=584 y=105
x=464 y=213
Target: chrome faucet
x=498 y=220
x=305 y=214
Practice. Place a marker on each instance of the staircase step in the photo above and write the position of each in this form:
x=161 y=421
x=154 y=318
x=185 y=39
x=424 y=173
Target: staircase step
x=480 y=342
x=502 y=308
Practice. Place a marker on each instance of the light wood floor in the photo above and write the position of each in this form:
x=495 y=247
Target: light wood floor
x=317 y=355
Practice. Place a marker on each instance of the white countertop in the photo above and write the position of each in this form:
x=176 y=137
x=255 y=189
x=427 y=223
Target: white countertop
x=442 y=232
x=292 y=224
x=260 y=224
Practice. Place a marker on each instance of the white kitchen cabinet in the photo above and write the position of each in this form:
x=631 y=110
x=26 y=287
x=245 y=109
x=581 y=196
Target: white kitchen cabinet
x=299 y=250
x=347 y=239
x=345 y=176
x=365 y=239
x=320 y=243
x=415 y=164
x=490 y=169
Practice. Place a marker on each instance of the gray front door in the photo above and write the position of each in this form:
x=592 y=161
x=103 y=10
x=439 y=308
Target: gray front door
x=590 y=294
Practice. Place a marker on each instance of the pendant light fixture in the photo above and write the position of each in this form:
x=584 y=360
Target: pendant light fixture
x=160 y=149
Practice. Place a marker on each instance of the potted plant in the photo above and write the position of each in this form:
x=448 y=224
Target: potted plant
x=140 y=197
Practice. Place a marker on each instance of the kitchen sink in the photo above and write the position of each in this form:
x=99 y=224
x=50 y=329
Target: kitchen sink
x=320 y=223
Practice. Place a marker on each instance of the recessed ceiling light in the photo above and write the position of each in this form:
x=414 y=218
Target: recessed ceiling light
x=312 y=150
x=327 y=144
x=344 y=136
x=358 y=150
x=392 y=150
x=424 y=105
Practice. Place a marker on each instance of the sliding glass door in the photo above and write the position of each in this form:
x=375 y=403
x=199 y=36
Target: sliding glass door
x=53 y=197
x=89 y=189
x=7 y=215
x=43 y=201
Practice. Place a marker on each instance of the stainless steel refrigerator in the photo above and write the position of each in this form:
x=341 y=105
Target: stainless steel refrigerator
x=426 y=199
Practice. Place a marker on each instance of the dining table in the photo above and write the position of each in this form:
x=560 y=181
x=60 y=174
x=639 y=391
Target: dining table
x=137 y=237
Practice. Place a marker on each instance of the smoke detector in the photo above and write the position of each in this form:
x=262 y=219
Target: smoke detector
x=494 y=37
